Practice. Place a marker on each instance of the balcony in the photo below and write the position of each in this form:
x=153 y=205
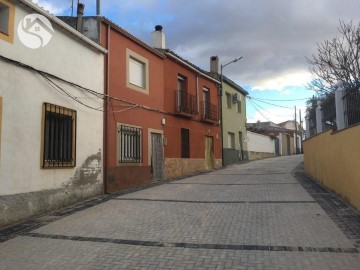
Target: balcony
x=209 y=112
x=185 y=104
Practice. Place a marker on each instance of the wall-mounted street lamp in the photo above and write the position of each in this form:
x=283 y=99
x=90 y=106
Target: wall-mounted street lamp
x=221 y=97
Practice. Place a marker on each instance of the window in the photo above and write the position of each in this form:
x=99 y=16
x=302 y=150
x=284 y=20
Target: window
x=59 y=136
x=181 y=92
x=182 y=83
x=228 y=100
x=137 y=72
x=7 y=14
x=130 y=146
x=4 y=18
x=239 y=106
x=185 y=143
x=231 y=140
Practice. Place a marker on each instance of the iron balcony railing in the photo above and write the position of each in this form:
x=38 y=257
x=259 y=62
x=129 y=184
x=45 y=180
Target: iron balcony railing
x=185 y=103
x=209 y=112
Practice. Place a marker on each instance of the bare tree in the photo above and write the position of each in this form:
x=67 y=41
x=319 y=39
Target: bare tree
x=337 y=60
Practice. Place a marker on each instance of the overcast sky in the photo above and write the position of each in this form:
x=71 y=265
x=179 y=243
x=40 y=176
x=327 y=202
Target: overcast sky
x=272 y=36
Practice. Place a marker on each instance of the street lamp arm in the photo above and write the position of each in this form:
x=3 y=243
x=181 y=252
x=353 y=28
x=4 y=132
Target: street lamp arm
x=233 y=61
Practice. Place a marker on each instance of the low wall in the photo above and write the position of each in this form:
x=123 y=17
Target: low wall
x=333 y=158
x=176 y=167
x=259 y=155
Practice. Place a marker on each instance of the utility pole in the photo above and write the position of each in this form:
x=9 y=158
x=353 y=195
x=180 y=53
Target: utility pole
x=301 y=132
x=72 y=8
x=296 y=141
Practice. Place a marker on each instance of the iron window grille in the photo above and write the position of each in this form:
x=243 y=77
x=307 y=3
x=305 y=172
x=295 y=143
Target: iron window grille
x=59 y=137
x=130 y=144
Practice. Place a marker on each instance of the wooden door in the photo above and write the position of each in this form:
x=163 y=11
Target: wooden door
x=157 y=156
x=209 y=153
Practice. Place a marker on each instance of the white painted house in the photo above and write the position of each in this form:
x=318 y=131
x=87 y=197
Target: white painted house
x=50 y=144
x=260 y=145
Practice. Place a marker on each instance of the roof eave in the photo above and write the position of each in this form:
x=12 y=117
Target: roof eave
x=63 y=25
x=131 y=37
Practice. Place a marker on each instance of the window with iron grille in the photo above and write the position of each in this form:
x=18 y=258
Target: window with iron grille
x=185 y=143
x=59 y=137
x=130 y=144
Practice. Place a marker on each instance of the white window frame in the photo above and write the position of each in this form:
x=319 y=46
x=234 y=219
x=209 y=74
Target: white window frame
x=132 y=58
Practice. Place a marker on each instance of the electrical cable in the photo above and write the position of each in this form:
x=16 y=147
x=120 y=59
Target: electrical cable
x=279 y=99
x=259 y=111
x=270 y=103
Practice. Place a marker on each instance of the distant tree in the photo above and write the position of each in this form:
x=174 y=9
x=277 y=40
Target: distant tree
x=337 y=60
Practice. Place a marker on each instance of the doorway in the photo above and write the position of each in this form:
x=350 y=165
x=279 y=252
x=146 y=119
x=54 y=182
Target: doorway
x=209 y=153
x=157 y=156
x=241 y=153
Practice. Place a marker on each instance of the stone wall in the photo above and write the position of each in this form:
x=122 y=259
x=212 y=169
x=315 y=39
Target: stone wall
x=176 y=167
x=260 y=155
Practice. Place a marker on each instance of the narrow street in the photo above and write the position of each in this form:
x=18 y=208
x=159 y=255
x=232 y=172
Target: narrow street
x=259 y=215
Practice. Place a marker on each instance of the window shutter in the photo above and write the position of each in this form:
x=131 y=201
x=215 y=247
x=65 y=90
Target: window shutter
x=137 y=73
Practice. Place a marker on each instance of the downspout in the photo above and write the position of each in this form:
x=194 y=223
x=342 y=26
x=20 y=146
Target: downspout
x=106 y=147
x=197 y=93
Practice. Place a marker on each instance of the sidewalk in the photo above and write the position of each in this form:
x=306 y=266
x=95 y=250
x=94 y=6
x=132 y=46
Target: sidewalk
x=259 y=215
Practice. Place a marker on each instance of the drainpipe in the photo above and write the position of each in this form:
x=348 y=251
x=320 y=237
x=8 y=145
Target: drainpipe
x=197 y=93
x=105 y=133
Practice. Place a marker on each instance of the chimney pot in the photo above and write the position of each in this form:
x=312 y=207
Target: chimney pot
x=158 y=27
x=80 y=9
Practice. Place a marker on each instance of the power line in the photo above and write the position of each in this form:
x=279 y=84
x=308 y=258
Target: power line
x=270 y=103
x=259 y=111
x=280 y=99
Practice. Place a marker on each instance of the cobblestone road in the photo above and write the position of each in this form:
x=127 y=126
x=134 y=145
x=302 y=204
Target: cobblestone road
x=259 y=215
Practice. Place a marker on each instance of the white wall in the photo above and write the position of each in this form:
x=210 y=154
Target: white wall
x=25 y=91
x=260 y=143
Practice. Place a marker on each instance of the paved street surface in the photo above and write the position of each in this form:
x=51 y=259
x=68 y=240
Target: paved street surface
x=259 y=215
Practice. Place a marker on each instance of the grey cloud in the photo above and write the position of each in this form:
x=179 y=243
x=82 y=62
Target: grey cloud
x=273 y=36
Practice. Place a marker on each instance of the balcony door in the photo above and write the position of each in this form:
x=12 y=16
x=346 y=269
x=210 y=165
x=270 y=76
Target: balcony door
x=206 y=101
x=182 y=91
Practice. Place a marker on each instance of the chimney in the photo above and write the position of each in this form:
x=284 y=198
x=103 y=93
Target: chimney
x=158 y=37
x=97 y=7
x=214 y=64
x=80 y=13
